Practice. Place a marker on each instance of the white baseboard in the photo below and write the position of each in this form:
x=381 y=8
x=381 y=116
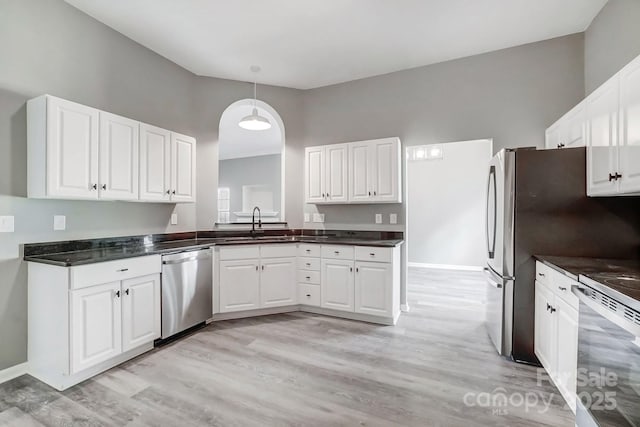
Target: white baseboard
x=13 y=372
x=445 y=266
x=405 y=308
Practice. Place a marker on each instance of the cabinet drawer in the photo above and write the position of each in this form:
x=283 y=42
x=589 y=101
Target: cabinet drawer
x=373 y=254
x=309 y=294
x=336 y=252
x=309 y=250
x=543 y=273
x=278 y=251
x=228 y=253
x=561 y=286
x=306 y=263
x=309 y=277
x=83 y=276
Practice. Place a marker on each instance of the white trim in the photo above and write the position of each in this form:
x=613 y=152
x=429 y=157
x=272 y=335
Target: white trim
x=405 y=308
x=445 y=266
x=13 y=372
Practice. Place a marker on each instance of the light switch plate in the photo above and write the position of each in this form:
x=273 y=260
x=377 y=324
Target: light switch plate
x=307 y=217
x=59 y=222
x=318 y=217
x=174 y=219
x=393 y=218
x=378 y=218
x=6 y=224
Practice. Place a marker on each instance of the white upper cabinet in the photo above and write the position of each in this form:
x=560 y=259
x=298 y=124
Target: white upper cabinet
x=569 y=131
x=155 y=164
x=314 y=175
x=602 y=139
x=361 y=176
x=386 y=170
x=79 y=152
x=183 y=168
x=337 y=178
x=119 y=152
x=629 y=137
x=62 y=149
x=356 y=172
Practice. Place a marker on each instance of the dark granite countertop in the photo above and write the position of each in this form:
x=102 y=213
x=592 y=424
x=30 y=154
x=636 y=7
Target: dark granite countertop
x=573 y=267
x=132 y=248
x=617 y=278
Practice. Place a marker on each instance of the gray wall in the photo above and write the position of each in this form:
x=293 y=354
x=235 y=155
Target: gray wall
x=47 y=46
x=611 y=41
x=259 y=170
x=446 y=206
x=510 y=95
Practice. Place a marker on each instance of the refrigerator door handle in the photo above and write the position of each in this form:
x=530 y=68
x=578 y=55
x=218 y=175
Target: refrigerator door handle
x=492 y=191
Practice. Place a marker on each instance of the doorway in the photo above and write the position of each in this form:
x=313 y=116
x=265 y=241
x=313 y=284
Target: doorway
x=446 y=192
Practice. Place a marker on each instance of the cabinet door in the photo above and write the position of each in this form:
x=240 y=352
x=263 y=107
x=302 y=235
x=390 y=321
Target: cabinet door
x=314 y=175
x=552 y=136
x=239 y=285
x=140 y=311
x=337 y=285
x=278 y=282
x=386 y=171
x=629 y=145
x=337 y=178
x=545 y=333
x=567 y=350
x=96 y=329
x=360 y=174
x=155 y=164
x=183 y=168
x=373 y=288
x=72 y=150
x=574 y=127
x=118 y=157
x=602 y=139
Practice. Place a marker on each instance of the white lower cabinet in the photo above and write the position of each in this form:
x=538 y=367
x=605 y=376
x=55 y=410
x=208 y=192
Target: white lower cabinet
x=140 y=311
x=556 y=331
x=374 y=288
x=278 y=282
x=239 y=285
x=80 y=327
x=96 y=326
x=268 y=280
x=337 y=285
x=356 y=282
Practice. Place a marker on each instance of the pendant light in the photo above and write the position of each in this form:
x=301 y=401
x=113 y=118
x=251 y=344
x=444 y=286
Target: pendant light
x=255 y=121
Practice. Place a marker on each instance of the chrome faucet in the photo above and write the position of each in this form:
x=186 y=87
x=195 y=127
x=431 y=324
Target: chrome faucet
x=253 y=219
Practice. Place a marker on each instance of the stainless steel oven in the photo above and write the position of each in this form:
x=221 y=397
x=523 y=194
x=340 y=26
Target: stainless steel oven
x=608 y=377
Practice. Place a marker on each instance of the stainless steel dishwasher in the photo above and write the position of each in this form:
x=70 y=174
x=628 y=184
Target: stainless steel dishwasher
x=187 y=286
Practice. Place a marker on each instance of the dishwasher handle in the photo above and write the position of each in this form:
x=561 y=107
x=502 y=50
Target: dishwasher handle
x=183 y=257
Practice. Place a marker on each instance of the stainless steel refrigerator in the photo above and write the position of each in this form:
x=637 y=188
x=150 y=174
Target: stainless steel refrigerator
x=537 y=204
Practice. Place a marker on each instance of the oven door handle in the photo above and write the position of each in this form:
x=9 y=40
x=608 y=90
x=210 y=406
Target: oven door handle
x=611 y=316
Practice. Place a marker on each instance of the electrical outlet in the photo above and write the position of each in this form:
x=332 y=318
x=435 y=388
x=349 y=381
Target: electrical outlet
x=6 y=224
x=378 y=218
x=393 y=218
x=174 y=219
x=307 y=217
x=59 y=222
x=318 y=217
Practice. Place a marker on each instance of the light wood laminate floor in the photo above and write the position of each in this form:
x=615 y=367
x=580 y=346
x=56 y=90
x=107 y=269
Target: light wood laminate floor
x=437 y=367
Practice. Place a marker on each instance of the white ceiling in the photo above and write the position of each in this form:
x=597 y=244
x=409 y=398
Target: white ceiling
x=235 y=142
x=307 y=44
